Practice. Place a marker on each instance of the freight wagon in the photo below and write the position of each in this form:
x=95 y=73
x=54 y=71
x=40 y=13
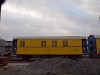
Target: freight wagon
x=71 y=46
x=94 y=45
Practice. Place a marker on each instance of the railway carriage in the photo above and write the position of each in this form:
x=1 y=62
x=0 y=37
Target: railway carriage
x=71 y=46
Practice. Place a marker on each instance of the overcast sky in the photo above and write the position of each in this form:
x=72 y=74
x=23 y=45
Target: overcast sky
x=49 y=18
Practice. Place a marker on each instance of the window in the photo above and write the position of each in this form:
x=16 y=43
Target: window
x=22 y=43
x=43 y=43
x=65 y=43
x=54 y=43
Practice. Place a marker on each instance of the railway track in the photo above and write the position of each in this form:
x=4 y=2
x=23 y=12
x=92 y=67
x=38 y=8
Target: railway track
x=14 y=59
x=20 y=60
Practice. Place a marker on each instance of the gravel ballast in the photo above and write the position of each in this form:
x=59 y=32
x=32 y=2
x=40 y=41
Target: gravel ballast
x=56 y=66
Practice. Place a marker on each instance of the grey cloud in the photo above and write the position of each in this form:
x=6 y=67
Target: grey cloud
x=49 y=17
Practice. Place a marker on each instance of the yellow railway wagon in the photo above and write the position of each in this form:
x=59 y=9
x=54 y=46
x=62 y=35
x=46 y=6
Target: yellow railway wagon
x=50 y=45
x=98 y=45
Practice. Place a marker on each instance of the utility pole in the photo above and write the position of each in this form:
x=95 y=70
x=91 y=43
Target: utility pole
x=1 y=2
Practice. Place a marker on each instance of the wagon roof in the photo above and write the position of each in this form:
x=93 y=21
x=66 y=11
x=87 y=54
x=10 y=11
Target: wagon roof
x=95 y=36
x=52 y=37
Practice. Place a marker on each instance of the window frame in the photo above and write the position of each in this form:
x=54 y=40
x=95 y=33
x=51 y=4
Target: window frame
x=43 y=43
x=22 y=43
x=65 y=43
x=54 y=43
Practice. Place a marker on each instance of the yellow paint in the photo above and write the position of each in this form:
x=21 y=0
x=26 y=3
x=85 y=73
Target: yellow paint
x=48 y=43
x=98 y=45
x=34 y=47
x=27 y=43
x=35 y=43
x=75 y=42
x=50 y=51
x=59 y=43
